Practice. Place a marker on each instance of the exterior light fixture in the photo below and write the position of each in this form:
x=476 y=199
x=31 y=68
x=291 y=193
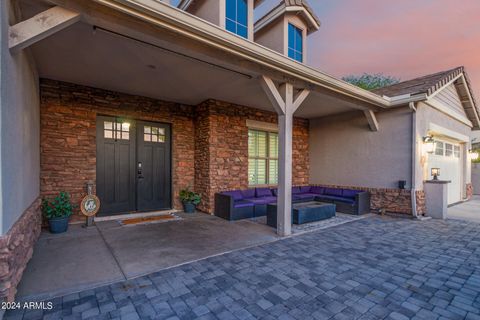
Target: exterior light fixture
x=473 y=155
x=429 y=144
x=435 y=173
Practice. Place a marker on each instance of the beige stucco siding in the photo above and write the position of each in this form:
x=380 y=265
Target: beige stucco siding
x=272 y=36
x=20 y=129
x=343 y=151
x=431 y=120
x=208 y=10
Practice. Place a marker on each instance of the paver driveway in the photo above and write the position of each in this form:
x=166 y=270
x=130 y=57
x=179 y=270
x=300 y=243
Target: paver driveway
x=370 y=269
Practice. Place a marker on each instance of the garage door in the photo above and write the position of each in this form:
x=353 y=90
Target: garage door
x=447 y=157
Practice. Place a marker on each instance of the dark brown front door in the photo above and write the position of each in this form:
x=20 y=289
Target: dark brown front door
x=133 y=165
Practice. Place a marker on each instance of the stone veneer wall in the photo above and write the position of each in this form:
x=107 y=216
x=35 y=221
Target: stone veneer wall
x=17 y=249
x=469 y=190
x=393 y=200
x=221 y=149
x=68 y=119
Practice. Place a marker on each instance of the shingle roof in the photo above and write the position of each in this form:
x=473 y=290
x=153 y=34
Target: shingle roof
x=431 y=83
x=426 y=84
x=305 y=4
x=312 y=26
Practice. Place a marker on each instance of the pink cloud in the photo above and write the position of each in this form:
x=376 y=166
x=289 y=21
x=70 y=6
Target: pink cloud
x=407 y=38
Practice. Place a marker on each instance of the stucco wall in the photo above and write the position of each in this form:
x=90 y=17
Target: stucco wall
x=428 y=116
x=207 y=10
x=272 y=36
x=476 y=178
x=20 y=130
x=343 y=150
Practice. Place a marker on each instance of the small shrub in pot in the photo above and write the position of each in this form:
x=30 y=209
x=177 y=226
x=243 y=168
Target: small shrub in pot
x=190 y=200
x=58 y=211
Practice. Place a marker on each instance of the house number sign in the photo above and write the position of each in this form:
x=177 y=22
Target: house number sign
x=90 y=205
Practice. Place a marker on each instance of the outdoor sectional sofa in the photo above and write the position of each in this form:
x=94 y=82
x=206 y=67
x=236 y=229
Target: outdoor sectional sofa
x=244 y=204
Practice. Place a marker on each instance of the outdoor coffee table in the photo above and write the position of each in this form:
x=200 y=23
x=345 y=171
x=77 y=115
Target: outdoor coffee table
x=303 y=212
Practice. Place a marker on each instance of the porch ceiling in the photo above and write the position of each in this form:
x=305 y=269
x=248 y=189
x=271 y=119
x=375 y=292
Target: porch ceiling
x=94 y=57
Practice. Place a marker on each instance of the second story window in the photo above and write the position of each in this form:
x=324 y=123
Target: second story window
x=295 y=43
x=237 y=17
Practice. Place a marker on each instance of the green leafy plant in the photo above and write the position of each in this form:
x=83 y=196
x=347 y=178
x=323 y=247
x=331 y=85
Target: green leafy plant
x=58 y=207
x=187 y=196
x=371 y=81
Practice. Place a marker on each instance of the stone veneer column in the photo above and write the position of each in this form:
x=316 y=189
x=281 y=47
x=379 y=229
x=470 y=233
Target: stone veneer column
x=16 y=249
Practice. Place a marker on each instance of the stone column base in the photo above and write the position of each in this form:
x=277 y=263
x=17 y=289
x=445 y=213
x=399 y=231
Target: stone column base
x=16 y=249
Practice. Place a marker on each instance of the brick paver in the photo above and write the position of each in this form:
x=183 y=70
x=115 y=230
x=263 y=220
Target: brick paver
x=376 y=268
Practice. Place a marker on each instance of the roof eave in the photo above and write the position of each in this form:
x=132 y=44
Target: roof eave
x=183 y=23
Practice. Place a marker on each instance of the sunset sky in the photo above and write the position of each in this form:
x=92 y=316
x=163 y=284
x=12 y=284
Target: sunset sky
x=406 y=38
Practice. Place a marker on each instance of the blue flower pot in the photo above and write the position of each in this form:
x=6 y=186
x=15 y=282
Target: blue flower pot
x=58 y=225
x=188 y=207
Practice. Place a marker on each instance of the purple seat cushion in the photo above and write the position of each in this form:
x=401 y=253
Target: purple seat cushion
x=242 y=204
x=304 y=196
x=275 y=192
x=236 y=195
x=348 y=193
x=249 y=193
x=333 y=192
x=263 y=200
x=296 y=190
x=305 y=189
x=317 y=190
x=263 y=192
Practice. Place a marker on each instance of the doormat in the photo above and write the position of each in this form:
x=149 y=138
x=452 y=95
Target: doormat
x=148 y=220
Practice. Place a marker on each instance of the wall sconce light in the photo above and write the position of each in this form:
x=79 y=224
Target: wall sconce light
x=435 y=173
x=473 y=155
x=429 y=144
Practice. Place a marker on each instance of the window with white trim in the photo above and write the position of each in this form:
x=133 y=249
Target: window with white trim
x=438 y=148
x=456 y=151
x=236 y=17
x=448 y=150
x=262 y=157
x=295 y=43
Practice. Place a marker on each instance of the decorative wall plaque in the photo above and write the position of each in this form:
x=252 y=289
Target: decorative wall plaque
x=90 y=205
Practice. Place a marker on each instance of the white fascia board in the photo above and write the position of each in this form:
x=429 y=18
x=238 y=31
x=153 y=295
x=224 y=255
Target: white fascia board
x=405 y=99
x=181 y=22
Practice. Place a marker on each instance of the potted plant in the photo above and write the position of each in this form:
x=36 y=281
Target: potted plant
x=58 y=211
x=190 y=200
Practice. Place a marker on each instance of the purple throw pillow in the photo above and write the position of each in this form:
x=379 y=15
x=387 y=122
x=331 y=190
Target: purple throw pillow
x=263 y=192
x=248 y=194
x=236 y=195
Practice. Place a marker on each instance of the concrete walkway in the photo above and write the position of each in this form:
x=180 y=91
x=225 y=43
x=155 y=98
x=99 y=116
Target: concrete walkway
x=469 y=210
x=374 y=268
x=85 y=258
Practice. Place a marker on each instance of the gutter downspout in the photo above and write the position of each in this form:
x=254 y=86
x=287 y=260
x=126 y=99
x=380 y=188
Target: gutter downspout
x=414 y=159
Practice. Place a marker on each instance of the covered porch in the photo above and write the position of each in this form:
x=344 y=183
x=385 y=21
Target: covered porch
x=142 y=65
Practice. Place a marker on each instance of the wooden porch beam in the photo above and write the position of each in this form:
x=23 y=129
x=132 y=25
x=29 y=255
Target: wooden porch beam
x=300 y=98
x=39 y=27
x=273 y=94
x=372 y=120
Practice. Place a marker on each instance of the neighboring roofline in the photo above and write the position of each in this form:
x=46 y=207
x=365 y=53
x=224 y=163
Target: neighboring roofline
x=313 y=22
x=181 y=22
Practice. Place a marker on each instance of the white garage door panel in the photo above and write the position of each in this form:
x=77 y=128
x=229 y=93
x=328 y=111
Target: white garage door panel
x=450 y=169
